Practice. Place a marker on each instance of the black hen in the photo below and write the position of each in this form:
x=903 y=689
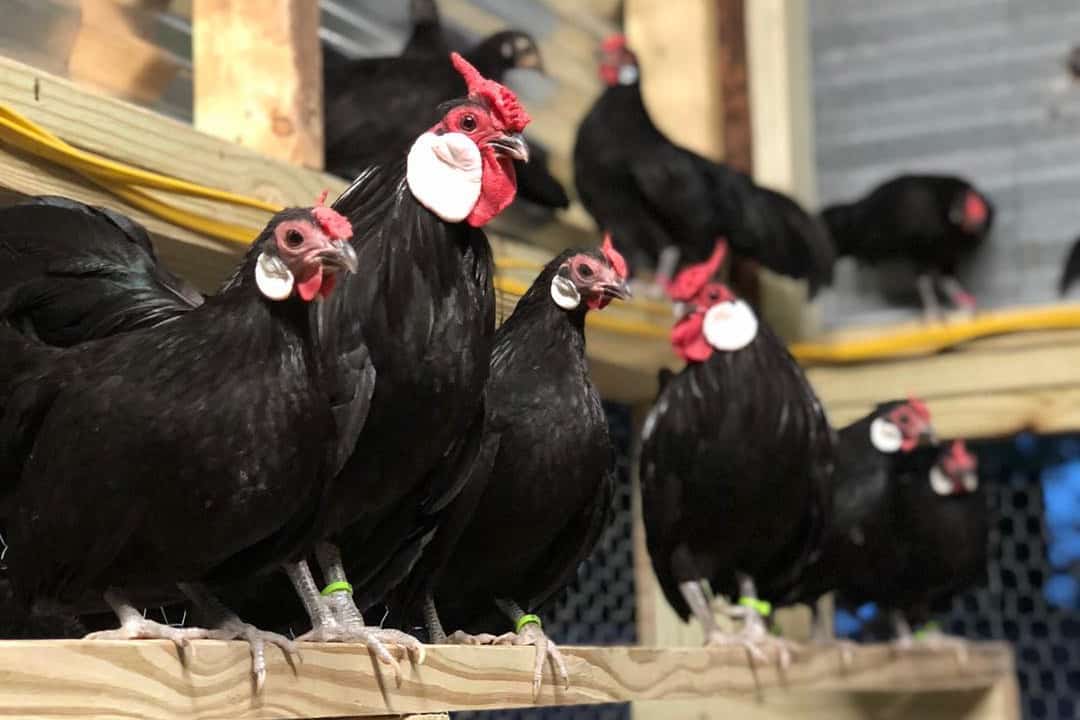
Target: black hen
x=928 y=536
x=543 y=484
x=735 y=461
x=653 y=195
x=932 y=221
x=410 y=88
x=871 y=454
x=234 y=390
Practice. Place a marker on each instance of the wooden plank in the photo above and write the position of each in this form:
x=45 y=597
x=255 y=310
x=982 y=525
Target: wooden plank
x=74 y=678
x=258 y=76
x=735 y=85
x=1000 y=702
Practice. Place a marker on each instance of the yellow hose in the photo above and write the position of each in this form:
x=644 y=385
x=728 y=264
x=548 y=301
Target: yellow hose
x=131 y=184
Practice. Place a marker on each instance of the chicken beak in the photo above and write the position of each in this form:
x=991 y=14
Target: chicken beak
x=531 y=61
x=618 y=291
x=340 y=256
x=513 y=146
x=928 y=438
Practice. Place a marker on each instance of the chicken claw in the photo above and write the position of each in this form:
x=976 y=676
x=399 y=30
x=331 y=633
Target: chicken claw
x=531 y=634
x=133 y=626
x=233 y=628
x=389 y=646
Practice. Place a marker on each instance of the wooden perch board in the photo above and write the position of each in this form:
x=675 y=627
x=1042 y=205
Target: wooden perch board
x=83 y=679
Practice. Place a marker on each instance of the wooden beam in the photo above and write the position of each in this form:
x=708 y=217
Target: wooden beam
x=258 y=76
x=735 y=85
x=82 y=679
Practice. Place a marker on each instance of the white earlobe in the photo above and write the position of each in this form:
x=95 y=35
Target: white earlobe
x=273 y=279
x=885 y=436
x=939 y=482
x=564 y=293
x=730 y=325
x=444 y=174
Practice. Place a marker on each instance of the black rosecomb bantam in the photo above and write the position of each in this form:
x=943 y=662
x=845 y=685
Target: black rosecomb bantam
x=194 y=451
x=667 y=204
x=735 y=462
x=540 y=491
x=871 y=454
x=931 y=221
x=928 y=535
x=426 y=311
x=375 y=107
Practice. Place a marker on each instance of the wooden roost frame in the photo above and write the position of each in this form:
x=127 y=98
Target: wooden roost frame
x=262 y=113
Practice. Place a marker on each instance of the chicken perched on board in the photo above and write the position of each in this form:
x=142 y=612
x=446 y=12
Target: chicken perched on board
x=932 y=221
x=427 y=311
x=542 y=486
x=871 y=454
x=411 y=87
x=196 y=449
x=928 y=533
x=666 y=204
x=735 y=462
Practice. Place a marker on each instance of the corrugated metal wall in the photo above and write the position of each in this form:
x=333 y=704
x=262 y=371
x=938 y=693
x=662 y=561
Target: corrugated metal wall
x=973 y=87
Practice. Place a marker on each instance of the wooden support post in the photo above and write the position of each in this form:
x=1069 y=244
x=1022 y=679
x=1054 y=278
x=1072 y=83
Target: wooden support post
x=735 y=85
x=258 y=76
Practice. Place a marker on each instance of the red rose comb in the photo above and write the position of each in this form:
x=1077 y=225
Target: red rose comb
x=689 y=282
x=331 y=221
x=501 y=99
x=614 y=257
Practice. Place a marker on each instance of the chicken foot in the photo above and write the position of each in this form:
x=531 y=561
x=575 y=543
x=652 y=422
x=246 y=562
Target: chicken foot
x=133 y=626
x=930 y=638
x=823 y=635
x=528 y=631
x=332 y=620
x=928 y=296
x=227 y=626
x=960 y=298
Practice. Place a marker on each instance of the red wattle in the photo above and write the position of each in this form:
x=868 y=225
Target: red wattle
x=309 y=287
x=498 y=186
x=688 y=339
x=327 y=286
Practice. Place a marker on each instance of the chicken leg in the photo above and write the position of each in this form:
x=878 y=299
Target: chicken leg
x=133 y=626
x=928 y=295
x=528 y=631
x=930 y=638
x=335 y=617
x=960 y=298
x=227 y=626
x=822 y=633
x=754 y=636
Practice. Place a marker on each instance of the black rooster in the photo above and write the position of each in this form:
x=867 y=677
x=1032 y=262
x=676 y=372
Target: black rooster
x=543 y=484
x=735 y=461
x=933 y=221
x=427 y=312
x=412 y=85
x=656 y=196
x=929 y=536
x=870 y=454
x=1071 y=270
x=195 y=450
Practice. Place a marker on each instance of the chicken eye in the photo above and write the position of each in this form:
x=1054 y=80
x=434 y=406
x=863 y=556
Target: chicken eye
x=468 y=122
x=584 y=270
x=294 y=238
x=713 y=295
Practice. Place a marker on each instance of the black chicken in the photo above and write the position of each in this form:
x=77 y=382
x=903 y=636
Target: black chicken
x=870 y=454
x=234 y=390
x=412 y=86
x=735 y=462
x=927 y=539
x=1071 y=271
x=933 y=221
x=667 y=204
x=543 y=484
x=427 y=311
